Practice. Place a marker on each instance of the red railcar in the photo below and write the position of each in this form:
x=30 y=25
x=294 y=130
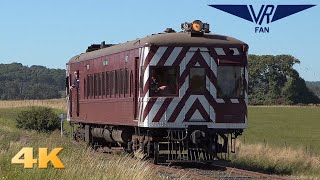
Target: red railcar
x=174 y=96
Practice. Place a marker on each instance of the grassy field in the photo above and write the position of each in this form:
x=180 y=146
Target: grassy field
x=278 y=141
x=297 y=127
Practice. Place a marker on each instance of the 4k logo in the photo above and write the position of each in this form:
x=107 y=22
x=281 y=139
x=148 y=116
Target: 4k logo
x=44 y=158
x=269 y=13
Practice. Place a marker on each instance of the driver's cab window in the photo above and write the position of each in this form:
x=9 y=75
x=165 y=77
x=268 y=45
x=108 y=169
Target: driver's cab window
x=163 y=81
x=230 y=81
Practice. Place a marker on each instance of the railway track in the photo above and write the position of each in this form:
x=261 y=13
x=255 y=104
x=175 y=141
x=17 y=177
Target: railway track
x=206 y=172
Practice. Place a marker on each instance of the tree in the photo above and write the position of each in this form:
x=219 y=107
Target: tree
x=272 y=80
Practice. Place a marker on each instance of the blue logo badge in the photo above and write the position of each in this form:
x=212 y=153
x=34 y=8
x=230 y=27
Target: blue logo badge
x=269 y=13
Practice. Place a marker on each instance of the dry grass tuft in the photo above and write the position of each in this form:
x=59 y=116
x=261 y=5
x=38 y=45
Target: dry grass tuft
x=277 y=160
x=53 y=103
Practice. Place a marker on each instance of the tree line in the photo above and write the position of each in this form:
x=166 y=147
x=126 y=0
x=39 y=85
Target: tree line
x=36 y=82
x=272 y=80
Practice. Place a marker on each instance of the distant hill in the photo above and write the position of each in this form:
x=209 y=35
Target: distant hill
x=36 y=82
x=314 y=86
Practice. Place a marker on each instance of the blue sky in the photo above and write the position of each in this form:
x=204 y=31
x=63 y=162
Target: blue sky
x=49 y=33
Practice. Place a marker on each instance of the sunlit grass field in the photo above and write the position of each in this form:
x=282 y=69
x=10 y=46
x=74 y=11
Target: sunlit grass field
x=284 y=126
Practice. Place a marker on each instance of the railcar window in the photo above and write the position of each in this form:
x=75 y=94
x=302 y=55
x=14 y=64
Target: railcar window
x=112 y=83
x=107 y=84
x=126 y=81
x=230 y=81
x=88 y=86
x=116 y=83
x=121 y=82
x=95 y=85
x=197 y=81
x=131 y=83
x=103 y=86
x=99 y=84
x=84 y=88
x=163 y=81
x=91 y=86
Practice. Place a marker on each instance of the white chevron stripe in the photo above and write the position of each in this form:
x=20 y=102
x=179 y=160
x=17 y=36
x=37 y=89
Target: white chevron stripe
x=219 y=51
x=146 y=50
x=234 y=101
x=155 y=108
x=184 y=87
x=145 y=76
x=172 y=107
x=198 y=48
x=173 y=56
x=196 y=116
x=185 y=61
x=219 y=100
x=213 y=66
x=155 y=59
x=235 y=50
x=212 y=90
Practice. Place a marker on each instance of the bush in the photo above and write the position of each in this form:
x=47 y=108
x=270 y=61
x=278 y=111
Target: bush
x=41 y=119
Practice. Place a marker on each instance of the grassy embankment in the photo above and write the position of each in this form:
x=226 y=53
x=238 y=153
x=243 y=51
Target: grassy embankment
x=80 y=162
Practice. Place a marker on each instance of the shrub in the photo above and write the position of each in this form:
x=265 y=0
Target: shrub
x=41 y=119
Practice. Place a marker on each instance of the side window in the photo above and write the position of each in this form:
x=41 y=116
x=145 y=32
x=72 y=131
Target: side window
x=107 y=84
x=95 y=79
x=88 y=86
x=103 y=85
x=126 y=81
x=121 y=82
x=99 y=84
x=85 y=88
x=112 y=83
x=116 y=83
x=197 y=80
x=163 y=81
x=131 y=83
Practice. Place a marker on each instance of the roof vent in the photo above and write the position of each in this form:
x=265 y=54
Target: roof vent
x=170 y=30
x=94 y=47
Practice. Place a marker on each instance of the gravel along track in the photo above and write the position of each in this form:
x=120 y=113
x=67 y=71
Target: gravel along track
x=204 y=172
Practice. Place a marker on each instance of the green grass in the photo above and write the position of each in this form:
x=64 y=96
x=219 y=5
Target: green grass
x=297 y=127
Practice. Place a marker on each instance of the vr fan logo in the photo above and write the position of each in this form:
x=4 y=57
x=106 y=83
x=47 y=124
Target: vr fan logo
x=269 y=13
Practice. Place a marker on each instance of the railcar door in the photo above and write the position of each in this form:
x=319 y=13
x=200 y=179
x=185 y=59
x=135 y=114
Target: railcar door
x=136 y=88
x=74 y=93
x=198 y=66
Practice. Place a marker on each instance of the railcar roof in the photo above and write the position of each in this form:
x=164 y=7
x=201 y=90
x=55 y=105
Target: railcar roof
x=163 y=39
